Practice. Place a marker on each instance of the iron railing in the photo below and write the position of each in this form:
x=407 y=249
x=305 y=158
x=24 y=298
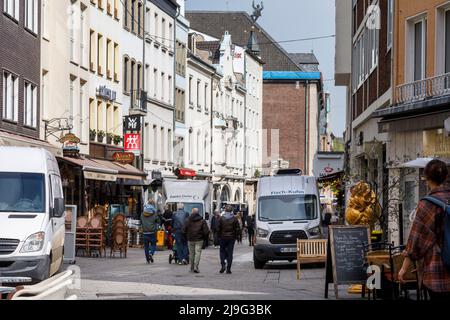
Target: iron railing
x=423 y=89
x=139 y=100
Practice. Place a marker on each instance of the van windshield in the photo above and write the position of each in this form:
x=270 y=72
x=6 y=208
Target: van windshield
x=188 y=206
x=22 y=192
x=288 y=208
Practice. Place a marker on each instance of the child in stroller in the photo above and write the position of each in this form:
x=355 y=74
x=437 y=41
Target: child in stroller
x=174 y=255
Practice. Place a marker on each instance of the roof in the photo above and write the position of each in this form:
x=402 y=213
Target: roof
x=239 y=24
x=23 y=159
x=291 y=75
x=211 y=46
x=306 y=61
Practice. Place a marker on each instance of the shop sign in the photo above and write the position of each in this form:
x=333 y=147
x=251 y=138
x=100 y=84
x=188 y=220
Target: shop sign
x=99 y=176
x=132 y=143
x=124 y=157
x=70 y=143
x=132 y=123
x=105 y=93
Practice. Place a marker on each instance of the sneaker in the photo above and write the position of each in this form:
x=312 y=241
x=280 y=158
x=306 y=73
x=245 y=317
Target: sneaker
x=184 y=262
x=179 y=262
x=222 y=270
x=196 y=271
x=148 y=261
x=151 y=259
x=228 y=271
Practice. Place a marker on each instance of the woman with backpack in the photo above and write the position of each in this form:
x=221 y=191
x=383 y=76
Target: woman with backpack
x=430 y=234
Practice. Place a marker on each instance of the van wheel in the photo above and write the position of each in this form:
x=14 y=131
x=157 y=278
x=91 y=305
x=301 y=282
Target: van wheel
x=258 y=263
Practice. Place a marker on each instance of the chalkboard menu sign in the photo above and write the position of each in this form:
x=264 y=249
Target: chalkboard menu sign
x=345 y=256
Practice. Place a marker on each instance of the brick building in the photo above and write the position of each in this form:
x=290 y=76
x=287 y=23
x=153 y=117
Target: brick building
x=20 y=73
x=285 y=104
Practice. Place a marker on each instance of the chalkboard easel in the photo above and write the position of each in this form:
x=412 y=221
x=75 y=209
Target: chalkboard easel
x=345 y=256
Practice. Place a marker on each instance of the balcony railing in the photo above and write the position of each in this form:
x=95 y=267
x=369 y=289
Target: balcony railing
x=423 y=89
x=139 y=100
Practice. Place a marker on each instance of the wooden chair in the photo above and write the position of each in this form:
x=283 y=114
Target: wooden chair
x=311 y=251
x=411 y=277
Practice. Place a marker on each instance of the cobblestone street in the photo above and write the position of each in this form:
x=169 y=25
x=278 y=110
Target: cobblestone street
x=132 y=278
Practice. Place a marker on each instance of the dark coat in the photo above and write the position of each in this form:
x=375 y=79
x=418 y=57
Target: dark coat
x=195 y=228
x=228 y=227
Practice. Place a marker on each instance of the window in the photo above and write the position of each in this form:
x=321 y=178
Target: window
x=92 y=51
x=92 y=115
x=447 y=41
x=72 y=98
x=11 y=7
x=163 y=146
x=155 y=82
x=72 y=30
x=109 y=59
x=116 y=126
x=81 y=111
x=31 y=15
x=100 y=115
x=116 y=9
x=133 y=79
x=163 y=30
x=116 y=62
x=126 y=14
x=170 y=34
x=163 y=87
x=109 y=118
x=169 y=145
x=139 y=77
x=170 y=90
x=419 y=49
x=156 y=28
x=100 y=54
x=390 y=23
x=22 y=192
x=155 y=143
x=133 y=16
x=140 y=19
x=206 y=97
x=10 y=97
x=198 y=149
x=147 y=21
x=191 y=147
x=30 y=107
x=126 y=72
x=83 y=44
x=198 y=95
x=191 y=103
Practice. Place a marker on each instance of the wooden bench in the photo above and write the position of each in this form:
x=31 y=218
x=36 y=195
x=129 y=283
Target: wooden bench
x=311 y=251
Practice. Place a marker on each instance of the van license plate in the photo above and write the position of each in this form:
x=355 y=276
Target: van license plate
x=288 y=250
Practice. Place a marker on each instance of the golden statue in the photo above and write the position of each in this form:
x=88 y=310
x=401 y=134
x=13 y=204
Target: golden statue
x=363 y=207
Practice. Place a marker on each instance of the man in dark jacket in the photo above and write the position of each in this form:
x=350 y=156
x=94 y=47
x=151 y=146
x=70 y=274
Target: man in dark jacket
x=150 y=222
x=228 y=229
x=214 y=227
x=195 y=230
x=179 y=218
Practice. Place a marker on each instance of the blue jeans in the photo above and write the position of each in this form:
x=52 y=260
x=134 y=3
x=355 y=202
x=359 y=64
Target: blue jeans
x=226 y=252
x=149 y=244
x=182 y=248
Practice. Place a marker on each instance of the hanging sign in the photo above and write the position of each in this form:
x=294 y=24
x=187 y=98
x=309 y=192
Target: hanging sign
x=124 y=157
x=132 y=123
x=132 y=143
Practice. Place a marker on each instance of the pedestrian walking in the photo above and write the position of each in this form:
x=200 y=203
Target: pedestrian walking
x=195 y=230
x=167 y=222
x=228 y=229
x=150 y=222
x=251 y=230
x=426 y=239
x=179 y=218
x=241 y=227
x=214 y=227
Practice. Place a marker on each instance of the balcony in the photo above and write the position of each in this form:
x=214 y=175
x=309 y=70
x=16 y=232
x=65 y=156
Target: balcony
x=421 y=90
x=138 y=102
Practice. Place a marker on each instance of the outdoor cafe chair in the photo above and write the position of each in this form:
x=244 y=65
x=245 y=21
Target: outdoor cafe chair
x=411 y=278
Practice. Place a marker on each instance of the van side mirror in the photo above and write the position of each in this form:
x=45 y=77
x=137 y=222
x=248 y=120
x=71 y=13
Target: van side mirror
x=59 y=207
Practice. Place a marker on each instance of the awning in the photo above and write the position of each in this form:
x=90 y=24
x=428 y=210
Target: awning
x=129 y=174
x=420 y=163
x=331 y=177
x=15 y=140
x=93 y=170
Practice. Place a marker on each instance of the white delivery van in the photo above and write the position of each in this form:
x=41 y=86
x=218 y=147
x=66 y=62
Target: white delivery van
x=288 y=208
x=192 y=193
x=32 y=225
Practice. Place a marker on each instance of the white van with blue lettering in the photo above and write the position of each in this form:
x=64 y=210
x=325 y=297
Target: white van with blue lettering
x=288 y=208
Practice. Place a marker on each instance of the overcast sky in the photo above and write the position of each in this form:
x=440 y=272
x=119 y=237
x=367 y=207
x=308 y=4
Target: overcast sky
x=297 y=19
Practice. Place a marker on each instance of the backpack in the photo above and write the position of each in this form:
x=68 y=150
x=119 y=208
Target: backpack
x=445 y=250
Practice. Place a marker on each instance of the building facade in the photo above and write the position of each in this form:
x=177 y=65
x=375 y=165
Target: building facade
x=415 y=123
x=20 y=80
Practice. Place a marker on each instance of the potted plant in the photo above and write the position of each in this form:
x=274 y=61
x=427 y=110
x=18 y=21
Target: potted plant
x=109 y=137
x=117 y=139
x=100 y=136
x=92 y=134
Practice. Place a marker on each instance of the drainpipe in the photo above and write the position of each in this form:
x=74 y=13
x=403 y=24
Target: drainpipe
x=306 y=126
x=143 y=87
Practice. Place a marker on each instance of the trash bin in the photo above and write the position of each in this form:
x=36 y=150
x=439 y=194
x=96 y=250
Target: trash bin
x=160 y=235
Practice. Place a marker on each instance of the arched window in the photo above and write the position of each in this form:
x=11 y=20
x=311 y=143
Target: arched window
x=225 y=195
x=237 y=196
